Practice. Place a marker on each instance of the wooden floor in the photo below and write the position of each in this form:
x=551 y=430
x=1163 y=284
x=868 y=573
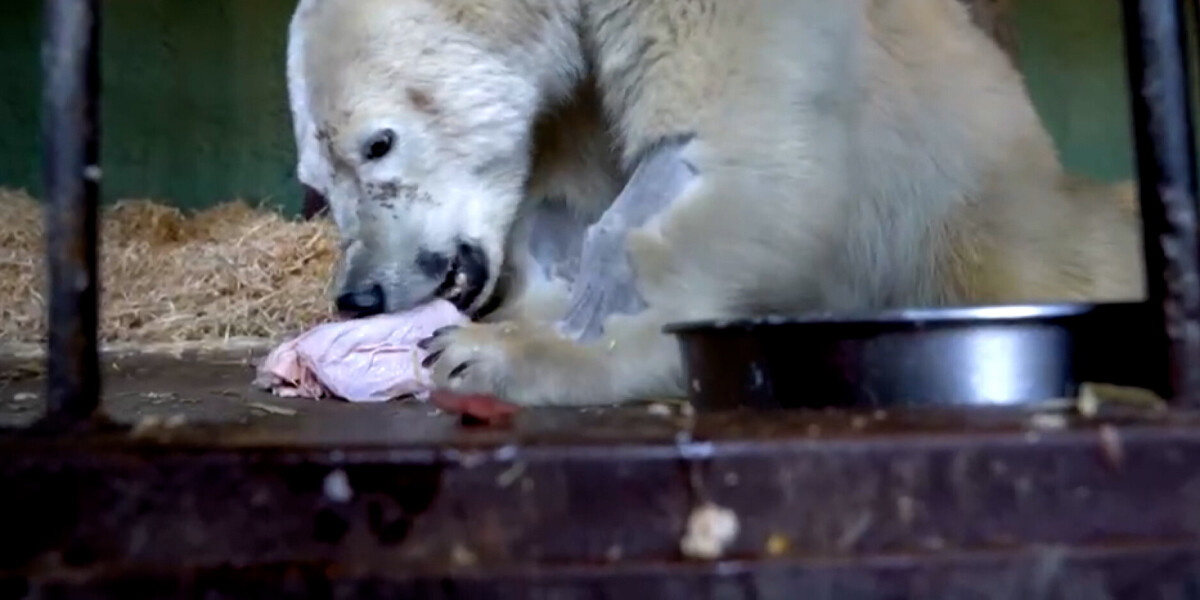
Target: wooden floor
x=202 y=485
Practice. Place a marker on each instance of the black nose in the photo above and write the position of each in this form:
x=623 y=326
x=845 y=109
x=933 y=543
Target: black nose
x=361 y=303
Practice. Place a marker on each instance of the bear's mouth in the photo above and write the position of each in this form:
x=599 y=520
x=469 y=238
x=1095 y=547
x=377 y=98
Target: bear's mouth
x=466 y=278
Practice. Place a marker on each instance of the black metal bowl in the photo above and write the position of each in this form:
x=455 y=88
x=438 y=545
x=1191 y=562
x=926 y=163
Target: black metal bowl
x=981 y=355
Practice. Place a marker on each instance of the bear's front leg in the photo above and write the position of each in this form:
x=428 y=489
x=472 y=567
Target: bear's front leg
x=516 y=361
x=531 y=364
x=609 y=347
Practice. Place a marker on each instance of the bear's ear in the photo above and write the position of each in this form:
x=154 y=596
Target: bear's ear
x=296 y=85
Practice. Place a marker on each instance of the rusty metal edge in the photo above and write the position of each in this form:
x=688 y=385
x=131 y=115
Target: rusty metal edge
x=1049 y=572
x=404 y=511
x=110 y=440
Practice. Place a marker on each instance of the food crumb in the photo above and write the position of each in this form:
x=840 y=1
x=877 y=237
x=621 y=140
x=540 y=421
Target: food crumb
x=1048 y=421
x=1094 y=397
x=462 y=556
x=274 y=410
x=710 y=530
x=146 y=424
x=1110 y=442
x=777 y=545
x=337 y=486
x=510 y=475
x=659 y=409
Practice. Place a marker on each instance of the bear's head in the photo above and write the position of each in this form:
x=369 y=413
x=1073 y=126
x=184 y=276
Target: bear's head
x=413 y=118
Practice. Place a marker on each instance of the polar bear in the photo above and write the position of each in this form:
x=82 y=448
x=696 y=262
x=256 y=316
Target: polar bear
x=575 y=174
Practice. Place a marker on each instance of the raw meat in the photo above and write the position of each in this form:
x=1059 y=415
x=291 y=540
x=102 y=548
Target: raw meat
x=486 y=409
x=373 y=359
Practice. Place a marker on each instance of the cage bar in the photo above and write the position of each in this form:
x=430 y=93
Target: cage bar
x=1155 y=37
x=71 y=172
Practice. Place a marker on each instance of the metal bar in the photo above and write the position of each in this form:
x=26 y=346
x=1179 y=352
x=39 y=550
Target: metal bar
x=71 y=172
x=1162 y=130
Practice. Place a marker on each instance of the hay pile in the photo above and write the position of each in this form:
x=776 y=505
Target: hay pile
x=228 y=273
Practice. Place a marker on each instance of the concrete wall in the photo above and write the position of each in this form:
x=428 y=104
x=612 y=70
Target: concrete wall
x=195 y=108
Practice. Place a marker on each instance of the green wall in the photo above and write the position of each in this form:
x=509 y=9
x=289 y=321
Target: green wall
x=195 y=107
x=1073 y=56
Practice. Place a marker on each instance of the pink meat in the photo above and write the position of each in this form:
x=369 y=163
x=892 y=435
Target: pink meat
x=362 y=360
x=484 y=408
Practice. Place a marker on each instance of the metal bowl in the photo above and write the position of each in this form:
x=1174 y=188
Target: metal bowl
x=981 y=355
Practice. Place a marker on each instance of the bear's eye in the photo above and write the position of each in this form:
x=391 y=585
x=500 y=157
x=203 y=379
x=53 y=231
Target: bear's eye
x=379 y=145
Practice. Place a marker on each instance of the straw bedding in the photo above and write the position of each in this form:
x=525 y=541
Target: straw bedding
x=231 y=275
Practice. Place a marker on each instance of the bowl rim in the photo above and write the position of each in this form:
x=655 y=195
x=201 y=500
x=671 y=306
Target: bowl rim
x=945 y=315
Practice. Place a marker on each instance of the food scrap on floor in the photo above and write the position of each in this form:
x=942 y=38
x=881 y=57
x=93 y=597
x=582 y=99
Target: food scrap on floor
x=373 y=359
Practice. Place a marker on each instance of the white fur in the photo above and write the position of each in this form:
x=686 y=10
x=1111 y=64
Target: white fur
x=312 y=168
x=853 y=154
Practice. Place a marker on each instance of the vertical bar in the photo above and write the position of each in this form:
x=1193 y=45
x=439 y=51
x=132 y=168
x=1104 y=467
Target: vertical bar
x=1162 y=130
x=71 y=172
